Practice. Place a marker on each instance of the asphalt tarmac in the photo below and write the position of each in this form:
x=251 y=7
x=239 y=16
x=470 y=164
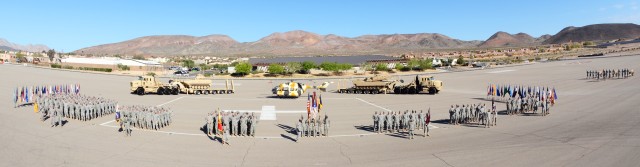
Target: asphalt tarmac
x=594 y=123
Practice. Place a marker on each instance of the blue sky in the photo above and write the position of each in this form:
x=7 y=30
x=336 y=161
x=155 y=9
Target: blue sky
x=70 y=25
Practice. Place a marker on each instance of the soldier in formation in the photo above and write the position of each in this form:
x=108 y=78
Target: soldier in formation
x=315 y=127
x=240 y=124
x=298 y=129
x=74 y=106
x=144 y=117
x=530 y=104
x=609 y=74
x=472 y=113
x=396 y=122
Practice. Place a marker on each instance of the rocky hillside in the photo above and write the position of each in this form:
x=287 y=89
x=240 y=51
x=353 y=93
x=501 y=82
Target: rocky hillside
x=287 y=43
x=165 y=45
x=503 y=39
x=595 y=32
x=302 y=43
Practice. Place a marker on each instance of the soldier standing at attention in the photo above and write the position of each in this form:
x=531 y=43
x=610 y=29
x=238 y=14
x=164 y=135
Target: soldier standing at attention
x=59 y=115
x=243 y=124
x=313 y=127
x=405 y=119
x=225 y=127
x=326 y=125
x=298 y=129
x=494 y=113
x=234 y=123
x=304 y=127
x=129 y=125
x=387 y=121
x=320 y=126
x=254 y=123
x=412 y=127
x=394 y=122
x=426 y=123
x=375 y=121
x=209 y=119
x=451 y=111
x=380 y=122
x=317 y=125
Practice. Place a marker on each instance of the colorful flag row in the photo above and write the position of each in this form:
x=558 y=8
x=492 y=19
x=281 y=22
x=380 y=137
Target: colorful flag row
x=314 y=105
x=29 y=94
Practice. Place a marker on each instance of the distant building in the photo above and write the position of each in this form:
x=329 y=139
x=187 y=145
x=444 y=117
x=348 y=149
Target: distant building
x=231 y=70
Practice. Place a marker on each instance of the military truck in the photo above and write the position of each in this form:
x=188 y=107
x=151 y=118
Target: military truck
x=420 y=84
x=371 y=85
x=381 y=84
x=199 y=85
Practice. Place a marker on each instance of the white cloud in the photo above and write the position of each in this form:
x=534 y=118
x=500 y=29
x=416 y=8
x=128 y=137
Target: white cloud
x=618 y=6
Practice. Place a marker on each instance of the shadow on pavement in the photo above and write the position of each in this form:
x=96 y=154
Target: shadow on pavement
x=287 y=137
x=441 y=121
x=367 y=128
x=288 y=129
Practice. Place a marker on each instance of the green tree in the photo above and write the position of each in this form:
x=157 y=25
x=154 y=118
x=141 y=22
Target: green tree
x=275 y=69
x=344 y=66
x=329 y=66
x=204 y=66
x=381 y=67
x=20 y=55
x=413 y=64
x=292 y=67
x=307 y=66
x=151 y=74
x=188 y=63
x=425 y=64
x=139 y=57
x=51 y=53
x=123 y=67
x=243 y=68
x=461 y=61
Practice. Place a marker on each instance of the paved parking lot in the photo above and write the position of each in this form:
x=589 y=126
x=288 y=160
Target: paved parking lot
x=594 y=123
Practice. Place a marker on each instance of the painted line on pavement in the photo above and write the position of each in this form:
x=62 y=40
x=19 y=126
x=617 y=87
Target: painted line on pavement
x=171 y=101
x=263 y=137
x=105 y=124
x=277 y=111
x=373 y=104
x=500 y=71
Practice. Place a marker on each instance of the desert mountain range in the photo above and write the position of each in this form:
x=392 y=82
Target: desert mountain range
x=303 y=43
x=8 y=46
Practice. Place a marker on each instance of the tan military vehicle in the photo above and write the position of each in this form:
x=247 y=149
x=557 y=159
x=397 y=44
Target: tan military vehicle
x=371 y=85
x=420 y=84
x=202 y=85
x=149 y=84
x=382 y=84
x=199 y=85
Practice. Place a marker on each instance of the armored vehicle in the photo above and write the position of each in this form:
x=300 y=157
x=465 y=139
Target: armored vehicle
x=420 y=84
x=371 y=85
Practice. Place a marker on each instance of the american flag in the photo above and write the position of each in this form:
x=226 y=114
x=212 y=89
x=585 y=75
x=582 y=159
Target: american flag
x=308 y=105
